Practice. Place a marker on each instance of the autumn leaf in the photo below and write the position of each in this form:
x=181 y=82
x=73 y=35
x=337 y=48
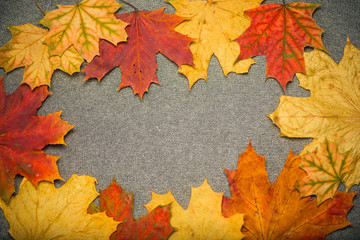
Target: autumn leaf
x=332 y=111
x=326 y=168
x=281 y=32
x=149 y=32
x=214 y=25
x=118 y=204
x=277 y=211
x=26 y=49
x=69 y=62
x=202 y=219
x=49 y=213
x=82 y=25
x=23 y=135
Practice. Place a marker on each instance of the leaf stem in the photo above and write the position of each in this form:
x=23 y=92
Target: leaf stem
x=39 y=7
x=127 y=3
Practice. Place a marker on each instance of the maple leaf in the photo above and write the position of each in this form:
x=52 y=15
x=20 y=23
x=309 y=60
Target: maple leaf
x=277 y=211
x=202 y=219
x=118 y=204
x=26 y=49
x=326 y=167
x=149 y=32
x=214 y=25
x=281 y=32
x=69 y=62
x=49 y=213
x=23 y=135
x=82 y=25
x=332 y=111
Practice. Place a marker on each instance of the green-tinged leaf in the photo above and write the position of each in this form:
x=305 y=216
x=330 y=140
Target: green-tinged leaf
x=83 y=25
x=26 y=49
x=70 y=61
x=326 y=168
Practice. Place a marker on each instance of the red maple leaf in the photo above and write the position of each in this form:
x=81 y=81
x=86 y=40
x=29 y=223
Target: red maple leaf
x=118 y=204
x=23 y=135
x=149 y=32
x=281 y=32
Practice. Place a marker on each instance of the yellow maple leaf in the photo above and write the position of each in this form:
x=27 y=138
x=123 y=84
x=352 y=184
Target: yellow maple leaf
x=26 y=49
x=326 y=168
x=82 y=25
x=202 y=219
x=50 y=213
x=214 y=25
x=332 y=111
x=69 y=62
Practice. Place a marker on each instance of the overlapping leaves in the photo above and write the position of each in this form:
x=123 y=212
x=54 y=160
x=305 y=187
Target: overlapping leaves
x=213 y=25
x=26 y=49
x=261 y=210
x=118 y=204
x=202 y=219
x=277 y=211
x=332 y=111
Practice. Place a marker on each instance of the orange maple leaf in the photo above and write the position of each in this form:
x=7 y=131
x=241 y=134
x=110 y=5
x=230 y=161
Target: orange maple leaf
x=277 y=211
x=118 y=204
x=281 y=32
x=149 y=32
x=23 y=135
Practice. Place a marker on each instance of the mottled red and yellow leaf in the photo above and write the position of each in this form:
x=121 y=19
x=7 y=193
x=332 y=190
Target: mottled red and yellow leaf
x=281 y=32
x=26 y=49
x=82 y=25
x=276 y=211
x=118 y=204
x=23 y=135
x=149 y=32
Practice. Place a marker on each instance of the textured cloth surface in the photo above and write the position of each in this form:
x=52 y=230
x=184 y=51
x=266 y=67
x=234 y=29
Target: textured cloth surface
x=174 y=138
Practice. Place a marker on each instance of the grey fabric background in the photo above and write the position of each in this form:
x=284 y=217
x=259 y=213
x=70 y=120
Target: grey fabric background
x=174 y=138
